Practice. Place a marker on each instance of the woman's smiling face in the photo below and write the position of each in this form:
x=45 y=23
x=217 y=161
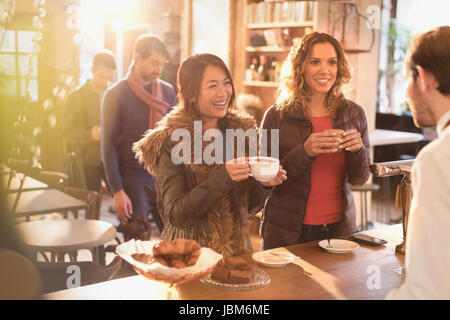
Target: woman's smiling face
x=215 y=93
x=321 y=68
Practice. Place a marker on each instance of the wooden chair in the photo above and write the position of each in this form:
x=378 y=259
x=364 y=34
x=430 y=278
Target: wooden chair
x=61 y=275
x=363 y=190
x=27 y=167
x=19 y=278
x=55 y=180
x=92 y=198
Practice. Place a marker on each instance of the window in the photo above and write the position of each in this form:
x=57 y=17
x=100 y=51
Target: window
x=402 y=19
x=18 y=63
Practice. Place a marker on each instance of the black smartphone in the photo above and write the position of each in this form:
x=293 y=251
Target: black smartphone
x=371 y=241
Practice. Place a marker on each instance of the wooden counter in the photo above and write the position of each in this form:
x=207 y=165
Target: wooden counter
x=353 y=275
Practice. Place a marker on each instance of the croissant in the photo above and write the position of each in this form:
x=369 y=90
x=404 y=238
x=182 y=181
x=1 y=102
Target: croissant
x=185 y=246
x=178 y=246
x=143 y=257
x=192 y=258
x=177 y=263
x=164 y=248
x=161 y=261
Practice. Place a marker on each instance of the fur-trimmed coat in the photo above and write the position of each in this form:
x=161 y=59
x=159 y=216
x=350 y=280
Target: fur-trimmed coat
x=200 y=201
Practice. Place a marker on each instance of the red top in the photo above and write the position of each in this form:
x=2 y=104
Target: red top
x=324 y=204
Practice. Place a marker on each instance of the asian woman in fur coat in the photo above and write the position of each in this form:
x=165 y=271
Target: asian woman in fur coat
x=208 y=201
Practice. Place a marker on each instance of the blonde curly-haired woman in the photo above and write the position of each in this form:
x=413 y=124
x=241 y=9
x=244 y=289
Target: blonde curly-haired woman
x=316 y=201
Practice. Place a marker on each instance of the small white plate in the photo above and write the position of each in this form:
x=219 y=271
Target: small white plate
x=339 y=245
x=269 y=260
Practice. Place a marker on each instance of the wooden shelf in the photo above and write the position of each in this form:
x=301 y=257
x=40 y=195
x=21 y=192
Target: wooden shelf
x=267 y=49
x=251 y=21
x=280 y=25
x=266 y=84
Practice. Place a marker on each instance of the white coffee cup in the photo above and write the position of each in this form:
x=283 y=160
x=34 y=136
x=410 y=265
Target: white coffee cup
x=264 y=169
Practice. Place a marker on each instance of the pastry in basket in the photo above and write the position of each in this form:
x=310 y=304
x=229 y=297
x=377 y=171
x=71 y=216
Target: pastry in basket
x=180 y=253
x=234 y=270
x=177 y=246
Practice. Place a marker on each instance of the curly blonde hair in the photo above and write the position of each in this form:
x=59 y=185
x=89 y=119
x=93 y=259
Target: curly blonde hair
x=293 y=91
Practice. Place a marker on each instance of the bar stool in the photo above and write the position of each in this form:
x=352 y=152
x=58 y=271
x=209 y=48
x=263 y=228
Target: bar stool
x=368 y=187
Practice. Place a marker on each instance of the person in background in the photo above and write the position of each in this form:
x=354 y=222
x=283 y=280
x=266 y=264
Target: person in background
x=427 y=257
x=316 y=202
x=129 y=108
x=81 y=125
x=207 y=202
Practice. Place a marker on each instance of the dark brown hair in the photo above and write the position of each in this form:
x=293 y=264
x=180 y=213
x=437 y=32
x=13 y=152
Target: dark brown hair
x=293 y=90
x=146 y=43
x=190 y=75
x=104 y=58
x=431 y=51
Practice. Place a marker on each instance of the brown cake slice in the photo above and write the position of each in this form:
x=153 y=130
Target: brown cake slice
x=220 y=273
x=236 y=263
x=240 y=276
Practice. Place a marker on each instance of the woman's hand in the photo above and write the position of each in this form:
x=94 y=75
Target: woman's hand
x=321 y=142
x=351 y=141
x=279 y=178
x=238 y=169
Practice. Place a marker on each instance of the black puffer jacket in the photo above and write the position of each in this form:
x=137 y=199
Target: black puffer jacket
x=285 y=208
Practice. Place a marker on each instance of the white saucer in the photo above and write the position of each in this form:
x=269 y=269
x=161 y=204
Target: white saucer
x=339 y=245
x=269 y=260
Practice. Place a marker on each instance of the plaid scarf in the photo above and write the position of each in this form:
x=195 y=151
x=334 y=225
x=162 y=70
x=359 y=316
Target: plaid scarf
x=154 y=101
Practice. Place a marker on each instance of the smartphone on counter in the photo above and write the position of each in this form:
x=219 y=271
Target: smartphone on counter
x=371 y=241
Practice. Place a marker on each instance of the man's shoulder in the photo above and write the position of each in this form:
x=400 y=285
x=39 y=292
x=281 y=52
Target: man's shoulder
x=79 y=90
x=437 y=152
x=166 y=86
x=118 y=86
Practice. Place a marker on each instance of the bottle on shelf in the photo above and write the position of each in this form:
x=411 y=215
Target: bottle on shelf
x=262 y=69
x=254 y=64
x=271 y=68
x=287 y=38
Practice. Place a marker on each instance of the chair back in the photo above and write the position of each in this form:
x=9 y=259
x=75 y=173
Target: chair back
x=19 y=278
x=62 y=275
x=27 y=167
x=55 y=180
x=92 y=198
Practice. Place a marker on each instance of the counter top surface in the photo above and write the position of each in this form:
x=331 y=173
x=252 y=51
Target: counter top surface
x=366 y=273
x=380 y=137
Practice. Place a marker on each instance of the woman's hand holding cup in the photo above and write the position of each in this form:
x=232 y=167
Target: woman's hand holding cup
x=280 y=177
x=322 y=142
x=238 y=169
x=351 y=141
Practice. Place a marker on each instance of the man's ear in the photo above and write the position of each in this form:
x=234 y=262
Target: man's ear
x=137 y=57
x=426 y=80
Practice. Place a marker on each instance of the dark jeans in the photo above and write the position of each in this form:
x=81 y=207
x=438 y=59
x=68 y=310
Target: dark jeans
x=318 y=232
x=142 y=194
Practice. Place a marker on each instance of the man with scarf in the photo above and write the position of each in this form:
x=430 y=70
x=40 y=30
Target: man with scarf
x=131 y=107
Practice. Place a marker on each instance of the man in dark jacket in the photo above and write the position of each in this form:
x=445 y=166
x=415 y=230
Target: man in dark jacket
x=81 y=126
x=131 y=107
